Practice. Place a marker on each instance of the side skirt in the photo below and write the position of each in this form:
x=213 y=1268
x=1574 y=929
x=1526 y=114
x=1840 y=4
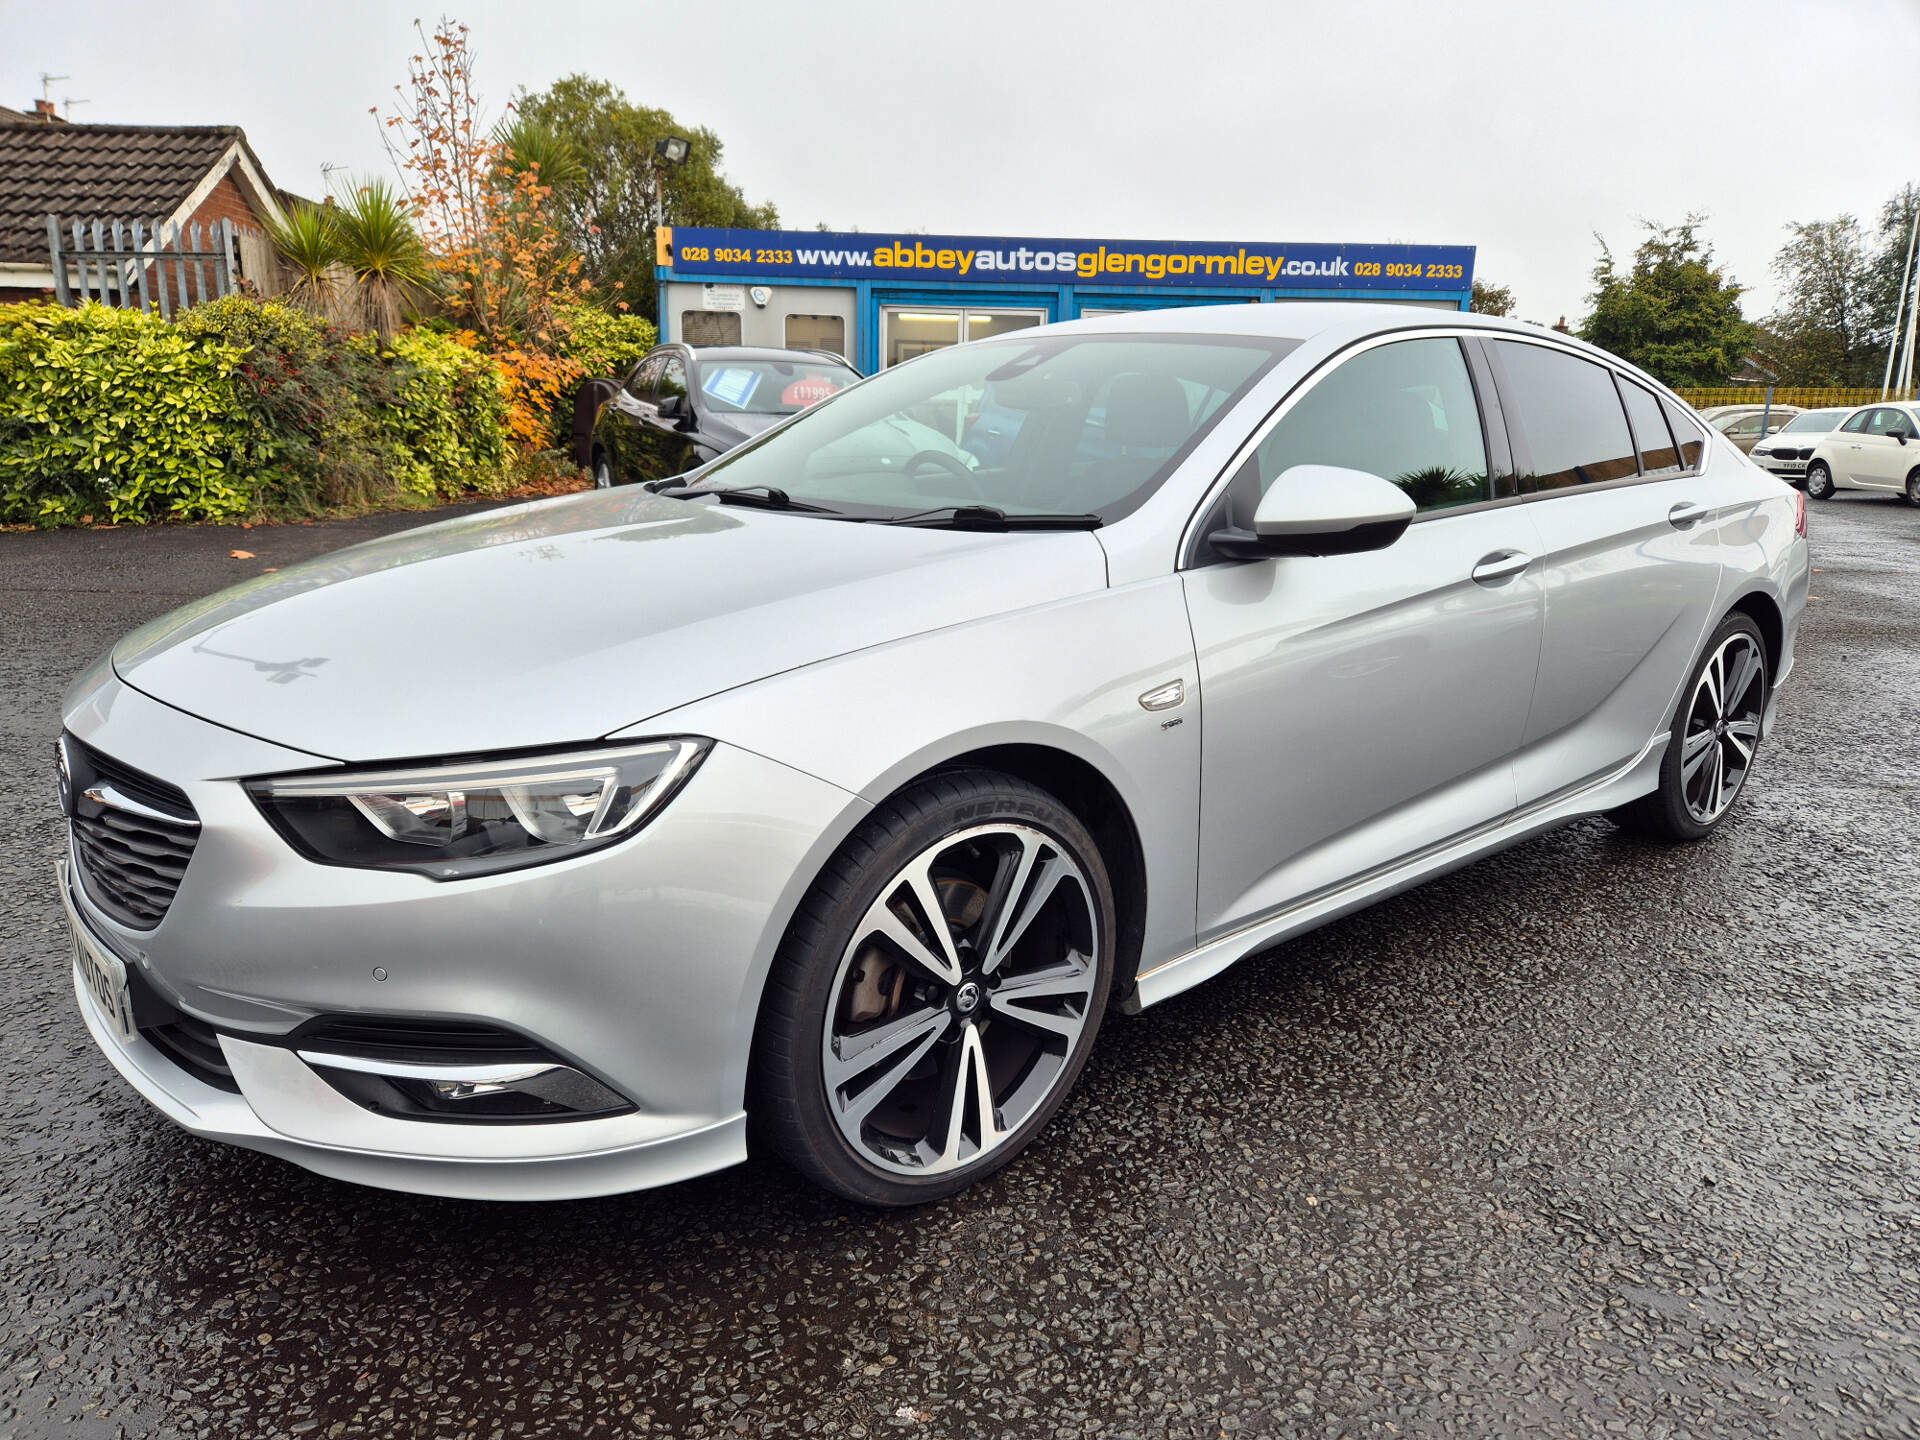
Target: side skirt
x=1639 y=776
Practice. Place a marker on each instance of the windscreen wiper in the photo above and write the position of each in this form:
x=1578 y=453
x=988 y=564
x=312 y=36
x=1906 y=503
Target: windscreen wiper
x=991 y=517
x=771 y=497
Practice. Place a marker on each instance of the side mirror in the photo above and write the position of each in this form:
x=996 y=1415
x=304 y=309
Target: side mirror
x=678 y=409
x=1321 y=510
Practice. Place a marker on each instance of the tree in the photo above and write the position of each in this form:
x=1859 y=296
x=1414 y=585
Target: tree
x=483 y=206
x=1820 y=334
x=1884 y=270
x=1675 y=314
x=606 y=213
x=1491 y=299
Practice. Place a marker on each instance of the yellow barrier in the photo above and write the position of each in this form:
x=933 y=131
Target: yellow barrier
x=1807 y=397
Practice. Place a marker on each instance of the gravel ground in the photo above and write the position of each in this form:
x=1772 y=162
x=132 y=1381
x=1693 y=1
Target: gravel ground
x=1592 y=1138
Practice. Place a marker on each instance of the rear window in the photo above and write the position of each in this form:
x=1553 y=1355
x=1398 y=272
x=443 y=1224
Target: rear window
x=1686 y=433
x=1657 y=450
x=1570 y=414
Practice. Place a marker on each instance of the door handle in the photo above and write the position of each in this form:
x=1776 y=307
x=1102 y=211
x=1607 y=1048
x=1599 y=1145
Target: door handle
x=1683 y=515
x=1500 y=566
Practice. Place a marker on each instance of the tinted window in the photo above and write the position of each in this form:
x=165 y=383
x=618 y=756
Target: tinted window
x=1405 y=412
x=1657 y=450
x=1686 y=432
x=673 y=379
x=1571 y=416
x=646 y=375
x=1858 y=423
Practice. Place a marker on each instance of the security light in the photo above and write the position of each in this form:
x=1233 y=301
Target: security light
x=673 y=149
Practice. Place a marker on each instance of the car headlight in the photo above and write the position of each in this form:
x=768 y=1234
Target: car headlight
x=448 y=822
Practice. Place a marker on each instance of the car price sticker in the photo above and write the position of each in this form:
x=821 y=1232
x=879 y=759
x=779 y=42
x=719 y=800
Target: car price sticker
x=808 y=390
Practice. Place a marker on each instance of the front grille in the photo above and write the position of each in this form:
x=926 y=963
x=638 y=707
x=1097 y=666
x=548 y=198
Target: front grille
x=132 y=834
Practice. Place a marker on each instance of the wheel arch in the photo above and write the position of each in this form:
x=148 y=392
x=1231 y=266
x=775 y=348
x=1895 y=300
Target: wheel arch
x=1764 y=611
x=1084 y=789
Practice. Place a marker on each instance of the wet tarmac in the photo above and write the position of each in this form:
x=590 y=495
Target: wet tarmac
x=1592 y=1138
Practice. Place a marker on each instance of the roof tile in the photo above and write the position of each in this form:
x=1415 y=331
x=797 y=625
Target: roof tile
x=106 y=172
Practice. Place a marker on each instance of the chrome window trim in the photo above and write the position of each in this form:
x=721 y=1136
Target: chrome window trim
x=1187 y=554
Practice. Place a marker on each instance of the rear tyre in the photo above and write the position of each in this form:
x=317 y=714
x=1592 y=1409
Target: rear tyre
x=938 y=993
x=1715 y=736
x=1819 y=481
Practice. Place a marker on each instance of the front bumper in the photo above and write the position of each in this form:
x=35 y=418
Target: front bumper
x=1784 y=469
x=641 y=965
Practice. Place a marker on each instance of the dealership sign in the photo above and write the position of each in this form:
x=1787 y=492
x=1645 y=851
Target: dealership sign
x=989 y=259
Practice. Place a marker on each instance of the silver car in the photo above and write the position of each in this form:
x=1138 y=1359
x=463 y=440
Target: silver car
x=560 y=850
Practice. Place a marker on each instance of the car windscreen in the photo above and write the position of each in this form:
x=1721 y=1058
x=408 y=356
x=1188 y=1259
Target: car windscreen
x=1086 y=424
x=770 y=387
x=1820 y=420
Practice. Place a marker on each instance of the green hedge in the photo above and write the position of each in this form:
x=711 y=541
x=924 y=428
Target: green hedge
x=107 y=413
x=240 y=408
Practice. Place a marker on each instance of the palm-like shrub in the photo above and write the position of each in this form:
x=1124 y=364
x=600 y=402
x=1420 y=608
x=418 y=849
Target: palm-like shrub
x=376 y=241
x=309 y=247
x=529 y=145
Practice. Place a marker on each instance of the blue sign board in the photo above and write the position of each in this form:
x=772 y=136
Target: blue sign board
x=1000 y=260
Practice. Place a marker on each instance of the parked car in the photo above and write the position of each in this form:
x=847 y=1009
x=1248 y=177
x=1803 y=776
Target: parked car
x=683 y=405
x=1787 y=451
x=856 y=797
x=1742 y=423
x=1877 y=447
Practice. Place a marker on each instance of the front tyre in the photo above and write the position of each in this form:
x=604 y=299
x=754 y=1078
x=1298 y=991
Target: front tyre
x=1819 y=481
x=602 y=471
x=938 y=993
x=1716 y=732
x=1913 y=488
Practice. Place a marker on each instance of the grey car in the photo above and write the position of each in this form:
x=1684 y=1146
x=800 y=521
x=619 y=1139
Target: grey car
x=563 y=849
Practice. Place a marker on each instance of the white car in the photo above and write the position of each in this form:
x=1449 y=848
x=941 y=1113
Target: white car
x=1877 y=447
x=1786 y=453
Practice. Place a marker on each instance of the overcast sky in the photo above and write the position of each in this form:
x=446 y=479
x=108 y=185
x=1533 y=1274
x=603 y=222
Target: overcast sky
x=1520 y=128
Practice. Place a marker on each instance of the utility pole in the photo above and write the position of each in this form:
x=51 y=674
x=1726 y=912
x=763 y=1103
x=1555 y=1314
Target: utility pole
x=1906 y=360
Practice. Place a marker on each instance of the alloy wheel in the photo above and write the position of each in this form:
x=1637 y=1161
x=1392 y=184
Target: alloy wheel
x=602 y=474
x=961 y=999
x=1723 y=728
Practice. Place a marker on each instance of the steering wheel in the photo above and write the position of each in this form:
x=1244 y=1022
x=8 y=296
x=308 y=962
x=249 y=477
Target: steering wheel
x=953 y=465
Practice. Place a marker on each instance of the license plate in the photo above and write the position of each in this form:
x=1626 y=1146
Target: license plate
x=102 y=973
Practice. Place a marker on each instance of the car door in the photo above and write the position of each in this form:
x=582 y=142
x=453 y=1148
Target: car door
x=671 y=440
x=1630 y=558
x=1879 y=455
x=622 y=432
x=1358 y=708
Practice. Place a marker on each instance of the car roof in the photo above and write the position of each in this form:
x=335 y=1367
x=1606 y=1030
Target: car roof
x=1744 y=409
x=1333 y=320
x=759 y=352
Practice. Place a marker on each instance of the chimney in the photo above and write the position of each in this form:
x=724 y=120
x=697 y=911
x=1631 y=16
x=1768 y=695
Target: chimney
x=1562 y=326
x=46 y=114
